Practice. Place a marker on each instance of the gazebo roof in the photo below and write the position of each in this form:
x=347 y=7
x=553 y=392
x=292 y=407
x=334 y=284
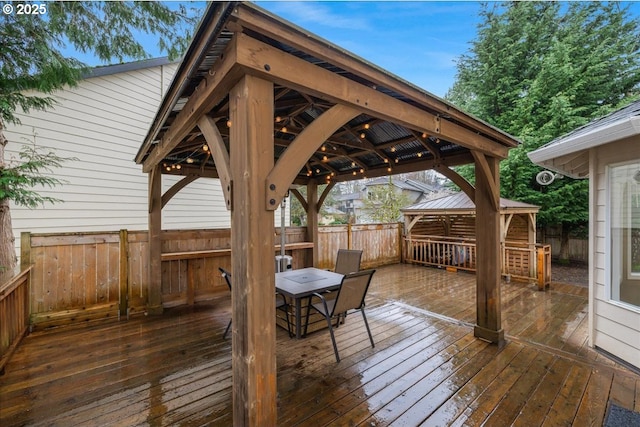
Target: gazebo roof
x=460 y=203
x=399 y=127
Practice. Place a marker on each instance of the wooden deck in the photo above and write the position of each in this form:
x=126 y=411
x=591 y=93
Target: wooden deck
x=426 y=369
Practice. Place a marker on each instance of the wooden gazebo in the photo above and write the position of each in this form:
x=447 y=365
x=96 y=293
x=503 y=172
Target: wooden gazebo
x=263 y=106
x=442 y=232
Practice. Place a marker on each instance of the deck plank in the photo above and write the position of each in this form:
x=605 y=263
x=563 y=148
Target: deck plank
x=426 y=368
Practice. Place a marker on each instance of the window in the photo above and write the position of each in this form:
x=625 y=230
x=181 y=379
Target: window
x=624 y=227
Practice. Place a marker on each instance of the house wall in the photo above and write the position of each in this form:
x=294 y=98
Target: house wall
x=102 y=122
x=615 y=327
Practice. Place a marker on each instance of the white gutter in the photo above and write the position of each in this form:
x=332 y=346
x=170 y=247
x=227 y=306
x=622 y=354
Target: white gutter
x=615 y=131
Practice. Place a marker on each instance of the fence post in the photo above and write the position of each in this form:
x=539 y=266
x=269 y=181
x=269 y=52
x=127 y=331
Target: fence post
x=400 y=243
x=349 y=237
x=124 y=273
x=25 y=262
x=25 y=250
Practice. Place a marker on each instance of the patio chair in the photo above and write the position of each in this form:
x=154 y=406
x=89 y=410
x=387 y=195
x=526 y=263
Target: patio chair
x=351 y=295
x=348 y=261
x=281 y=304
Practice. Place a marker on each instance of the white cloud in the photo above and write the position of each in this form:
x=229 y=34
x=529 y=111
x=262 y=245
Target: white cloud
x=305 y=13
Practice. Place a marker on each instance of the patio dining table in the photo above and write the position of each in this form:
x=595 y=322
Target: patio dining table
x=302 y=283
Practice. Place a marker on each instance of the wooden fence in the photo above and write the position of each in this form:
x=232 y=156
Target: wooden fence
x=14 y=314
x=80 y=277
x=519 y=261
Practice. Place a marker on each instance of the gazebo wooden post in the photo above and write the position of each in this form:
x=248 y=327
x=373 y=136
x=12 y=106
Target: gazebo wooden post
x=154 y=304
x=252 y=242
x=312 y=218
x=487 y=199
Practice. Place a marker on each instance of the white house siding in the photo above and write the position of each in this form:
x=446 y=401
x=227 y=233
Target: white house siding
x=102 y=122
x=615 y=327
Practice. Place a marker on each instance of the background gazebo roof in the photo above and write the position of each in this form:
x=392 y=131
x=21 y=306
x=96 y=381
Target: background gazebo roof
x=460 y=203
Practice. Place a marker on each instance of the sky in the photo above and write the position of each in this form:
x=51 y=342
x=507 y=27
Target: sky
x=418 y=41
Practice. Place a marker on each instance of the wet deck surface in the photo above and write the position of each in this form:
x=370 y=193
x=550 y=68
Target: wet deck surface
x=426 y=368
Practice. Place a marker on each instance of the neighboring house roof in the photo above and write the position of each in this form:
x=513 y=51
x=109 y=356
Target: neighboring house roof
x=330 y=210
x=569 y=154
x=404 y=184
x=350 y=196
x=460 y=203
x=106 y=70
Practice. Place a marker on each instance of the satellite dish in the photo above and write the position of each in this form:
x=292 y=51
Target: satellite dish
x=545 y=177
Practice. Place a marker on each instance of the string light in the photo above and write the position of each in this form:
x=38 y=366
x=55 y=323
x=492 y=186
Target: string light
x=189 y=160
x=424 y=134
x=419 y=154
x=393 y=149
x=362 y=135
x=366 y=126
x=228 y=123
x=323 y=148
x=278 y=118
x=325 y=158
x=205 y=147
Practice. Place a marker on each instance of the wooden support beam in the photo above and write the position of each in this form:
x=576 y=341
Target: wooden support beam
x=263 y=60
x=154 y=306
x=296 y=37
x=211 y=90
x=302 y=148
x=253 y=267
x=188 y=64
x=312 y=218
x=488 y=273
x=220 y=155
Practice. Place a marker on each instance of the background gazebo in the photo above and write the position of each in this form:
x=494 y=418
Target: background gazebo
x=442 y=232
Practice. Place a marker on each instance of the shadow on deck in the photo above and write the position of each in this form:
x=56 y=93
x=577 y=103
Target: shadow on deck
x=426 y=368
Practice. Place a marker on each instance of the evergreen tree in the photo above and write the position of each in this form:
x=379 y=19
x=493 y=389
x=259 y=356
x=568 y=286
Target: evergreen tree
x=539 y=70
x=32 y=67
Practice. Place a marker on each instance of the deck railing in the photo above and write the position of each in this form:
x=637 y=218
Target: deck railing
x=14 y=314
x=519 y=260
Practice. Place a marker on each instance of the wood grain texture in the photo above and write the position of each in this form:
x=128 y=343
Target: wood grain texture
x=426 y=369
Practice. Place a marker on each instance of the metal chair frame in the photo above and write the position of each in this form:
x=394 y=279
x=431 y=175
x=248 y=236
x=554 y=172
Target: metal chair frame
x=350 y=296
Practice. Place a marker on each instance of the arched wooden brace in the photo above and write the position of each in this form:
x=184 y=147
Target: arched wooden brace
x=300 y=198
x=175 y=188
x=220 y=155
x=457 y=180
x=303 y=201
x=483 y=171
x=301 y=149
